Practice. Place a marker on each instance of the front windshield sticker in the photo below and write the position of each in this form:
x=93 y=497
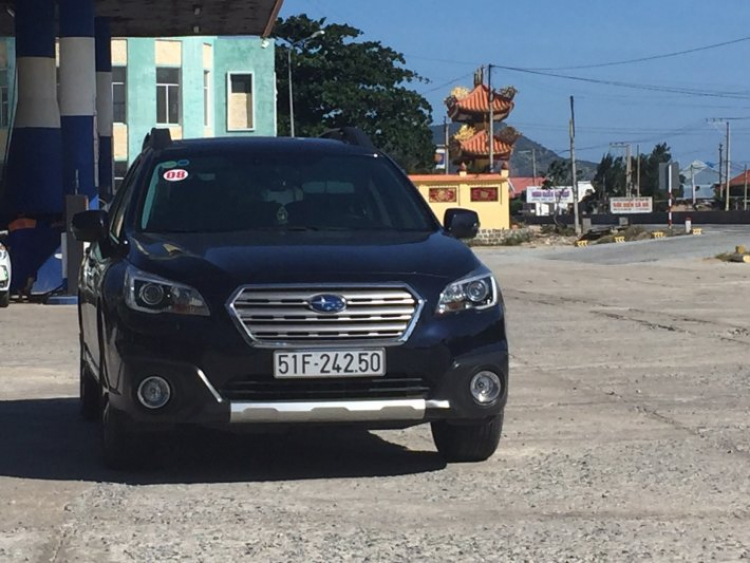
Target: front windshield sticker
x=169 y=164
x=282 y=216
x=176 y=175
x=183 y=162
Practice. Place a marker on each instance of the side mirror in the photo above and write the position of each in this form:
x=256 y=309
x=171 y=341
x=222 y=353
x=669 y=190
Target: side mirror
x=461 y=223
x=90 y=226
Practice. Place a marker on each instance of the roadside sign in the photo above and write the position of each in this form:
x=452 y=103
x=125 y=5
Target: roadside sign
x=664 y=176
x=440 y=159
x=631 y=205
x=554 y=195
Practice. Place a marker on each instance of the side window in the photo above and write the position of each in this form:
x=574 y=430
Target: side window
x=120 y=205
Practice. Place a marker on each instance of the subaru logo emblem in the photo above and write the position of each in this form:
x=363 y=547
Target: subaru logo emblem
x=327 y=304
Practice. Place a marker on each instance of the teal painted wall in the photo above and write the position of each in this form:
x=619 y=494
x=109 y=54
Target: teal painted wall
x=192 y=86
x=141 y=93
x=9 y=83
x=246 y=54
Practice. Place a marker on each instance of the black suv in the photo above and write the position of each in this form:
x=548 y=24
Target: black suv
x=269 y=282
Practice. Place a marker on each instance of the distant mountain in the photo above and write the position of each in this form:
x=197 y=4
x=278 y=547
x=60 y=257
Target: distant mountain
x=521 y=162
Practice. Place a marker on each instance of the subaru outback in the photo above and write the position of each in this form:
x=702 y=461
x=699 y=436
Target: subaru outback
x=268 y=283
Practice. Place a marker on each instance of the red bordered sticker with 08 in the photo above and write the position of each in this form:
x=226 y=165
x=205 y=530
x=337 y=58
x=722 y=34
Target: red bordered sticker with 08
x=175 y=175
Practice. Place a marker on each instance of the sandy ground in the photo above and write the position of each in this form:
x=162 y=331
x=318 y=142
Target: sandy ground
x=626 y=439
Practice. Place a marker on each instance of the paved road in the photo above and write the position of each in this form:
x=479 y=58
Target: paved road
x=715 y=240
x=626 y=439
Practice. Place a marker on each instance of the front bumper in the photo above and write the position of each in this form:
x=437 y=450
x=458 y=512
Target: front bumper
x=384 y=410
x=220 y=380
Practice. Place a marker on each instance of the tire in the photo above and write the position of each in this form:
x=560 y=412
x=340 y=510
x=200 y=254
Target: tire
x=4 y=299
x=90 y=394
x=467 y=442
x=122 y=447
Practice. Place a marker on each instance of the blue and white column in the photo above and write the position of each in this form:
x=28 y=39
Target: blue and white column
x=34 y=167
x=34 y=159
x=104 y=107
x=78 y=97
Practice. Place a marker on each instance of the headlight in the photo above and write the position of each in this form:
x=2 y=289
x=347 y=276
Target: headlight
x=149 y=293
x=476 y=291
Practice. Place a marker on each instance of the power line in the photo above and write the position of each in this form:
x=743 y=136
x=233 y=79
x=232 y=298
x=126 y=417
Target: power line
x=631 y=85
x=441 y=86
x=652 y=57
x=604 y=64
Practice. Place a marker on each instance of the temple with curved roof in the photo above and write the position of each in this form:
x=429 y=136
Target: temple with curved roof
x=470 y=147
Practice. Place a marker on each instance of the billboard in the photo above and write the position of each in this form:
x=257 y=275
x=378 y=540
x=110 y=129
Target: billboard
x=553 y=195
x=440 y=159
x=631 y=205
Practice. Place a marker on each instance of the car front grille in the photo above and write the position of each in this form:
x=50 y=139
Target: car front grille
x=242 y=389
x=284 y=315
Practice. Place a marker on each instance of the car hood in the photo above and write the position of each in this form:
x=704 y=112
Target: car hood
x=235 y=259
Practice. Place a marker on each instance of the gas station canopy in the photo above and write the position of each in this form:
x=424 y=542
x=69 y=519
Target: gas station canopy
x=175 y=18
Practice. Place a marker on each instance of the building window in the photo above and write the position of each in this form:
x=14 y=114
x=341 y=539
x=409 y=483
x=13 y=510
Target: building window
x=119 y=94
x=168 y=96
x=207 y=98
x=121 y=168
x=4 y=100
x=4 y=107
x=240 y=111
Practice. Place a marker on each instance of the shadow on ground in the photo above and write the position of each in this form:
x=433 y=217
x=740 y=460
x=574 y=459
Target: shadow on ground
x=46 y=439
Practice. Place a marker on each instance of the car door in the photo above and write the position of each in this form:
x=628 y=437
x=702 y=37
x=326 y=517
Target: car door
x=97 y=260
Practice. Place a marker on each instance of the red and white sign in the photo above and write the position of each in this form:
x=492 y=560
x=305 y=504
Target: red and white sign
x=631 y=205
x=176 y=175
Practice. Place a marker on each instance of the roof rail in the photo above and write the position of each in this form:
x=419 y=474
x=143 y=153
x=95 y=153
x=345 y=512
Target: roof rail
x=157 y=139
x=349 y=135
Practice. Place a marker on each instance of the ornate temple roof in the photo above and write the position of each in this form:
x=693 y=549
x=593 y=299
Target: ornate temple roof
x=477 y=146
x=476 y=104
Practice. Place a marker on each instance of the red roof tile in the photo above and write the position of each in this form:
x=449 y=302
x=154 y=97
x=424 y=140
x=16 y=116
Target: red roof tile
x=478 y=102
x=519 y=184
x=740 y=180
x=478 y=146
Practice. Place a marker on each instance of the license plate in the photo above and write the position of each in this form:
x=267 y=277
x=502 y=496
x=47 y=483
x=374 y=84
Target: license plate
x=329 y=363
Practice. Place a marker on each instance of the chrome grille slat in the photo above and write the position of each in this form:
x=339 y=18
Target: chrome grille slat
x=351 y=311
x=281 y=315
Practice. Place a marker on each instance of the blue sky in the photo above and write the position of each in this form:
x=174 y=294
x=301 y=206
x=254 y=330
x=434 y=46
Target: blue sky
x=446 y=41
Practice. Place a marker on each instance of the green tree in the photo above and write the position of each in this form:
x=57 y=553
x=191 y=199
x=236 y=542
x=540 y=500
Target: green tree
x=559 y=174
x=650 y=170
x=341 y=81
x=610 y=176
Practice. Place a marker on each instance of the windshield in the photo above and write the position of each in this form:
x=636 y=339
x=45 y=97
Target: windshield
x=237 y=192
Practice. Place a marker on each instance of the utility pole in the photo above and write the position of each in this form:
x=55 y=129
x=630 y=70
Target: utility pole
x=745 y=201
x=628 y=173
x=533 y=161
x=628 y=167
x=491 y=99
x=729 y=160
x=721 y=168
x=446 y=132
x=669 y=192
x=638 y=165
x=692 y=180
x=573 y=171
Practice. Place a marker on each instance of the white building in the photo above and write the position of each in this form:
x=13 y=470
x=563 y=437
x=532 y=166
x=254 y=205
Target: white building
x=544 y=202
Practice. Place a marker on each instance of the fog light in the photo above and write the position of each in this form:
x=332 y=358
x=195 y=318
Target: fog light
x=154 y=392
x=485 y=387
